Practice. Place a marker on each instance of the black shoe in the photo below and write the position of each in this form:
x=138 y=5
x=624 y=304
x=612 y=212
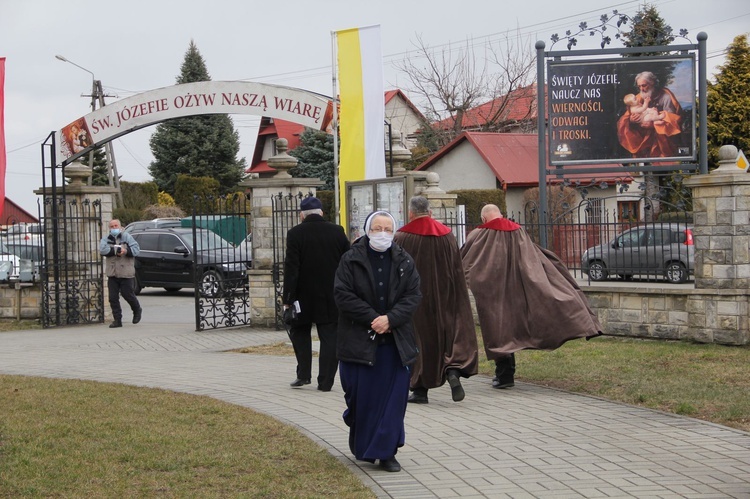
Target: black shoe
x=137 y=316
x=418 y=396
x=390 y=464
x=116 y=323
x=457 y=391
x=496 y=383
x=322 y=389
x=299 y=382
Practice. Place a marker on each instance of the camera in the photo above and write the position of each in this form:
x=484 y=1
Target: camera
x=118 y=249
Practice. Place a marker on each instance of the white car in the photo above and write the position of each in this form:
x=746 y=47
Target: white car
x=22 y=233
x=10 y=264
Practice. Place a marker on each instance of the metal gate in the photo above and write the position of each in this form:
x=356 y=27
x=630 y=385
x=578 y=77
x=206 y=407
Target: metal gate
x=222 y=255
x=285 y=215
x=71 y=273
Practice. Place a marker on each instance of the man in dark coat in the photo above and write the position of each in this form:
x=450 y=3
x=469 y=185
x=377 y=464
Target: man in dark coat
x=314 y=248
x=443 y=322
x=525 y=296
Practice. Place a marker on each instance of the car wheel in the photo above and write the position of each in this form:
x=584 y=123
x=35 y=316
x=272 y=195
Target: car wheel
x=676 y=273
x=211 y=284
x=172 y=290
x=597 y=271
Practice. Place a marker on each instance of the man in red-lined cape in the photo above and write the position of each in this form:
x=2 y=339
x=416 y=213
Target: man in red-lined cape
x=443 y=322
x=652 y=139
x=525 y=296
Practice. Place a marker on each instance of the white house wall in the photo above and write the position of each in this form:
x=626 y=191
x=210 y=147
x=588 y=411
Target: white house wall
x=402 y=118
x=514 y=201
x=463 y=168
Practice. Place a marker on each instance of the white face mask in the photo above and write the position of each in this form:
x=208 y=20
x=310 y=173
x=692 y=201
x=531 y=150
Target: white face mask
x=380 y=241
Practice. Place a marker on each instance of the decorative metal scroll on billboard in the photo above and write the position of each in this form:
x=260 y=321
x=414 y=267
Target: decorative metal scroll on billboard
x=189 y=99
x=638 y=109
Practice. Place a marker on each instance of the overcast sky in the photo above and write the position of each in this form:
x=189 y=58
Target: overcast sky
x=134 y=46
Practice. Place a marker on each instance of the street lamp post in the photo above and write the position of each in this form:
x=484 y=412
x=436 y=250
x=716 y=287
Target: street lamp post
x=97 y=95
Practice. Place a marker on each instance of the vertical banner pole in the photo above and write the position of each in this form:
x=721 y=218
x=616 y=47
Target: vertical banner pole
x=542 y=144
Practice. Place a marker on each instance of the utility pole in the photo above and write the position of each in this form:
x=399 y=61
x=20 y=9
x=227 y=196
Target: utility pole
x=97 y=97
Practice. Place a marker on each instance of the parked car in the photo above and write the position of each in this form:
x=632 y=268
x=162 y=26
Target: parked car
x=244 y=250
x=652 y=249
x=31 y=257
x=22 y=233
x=10 y=264
x=166 y=260
x=156 y=223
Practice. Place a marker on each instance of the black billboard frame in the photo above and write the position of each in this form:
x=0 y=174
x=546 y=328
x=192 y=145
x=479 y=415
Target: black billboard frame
x=542 y=56
x=584 y=98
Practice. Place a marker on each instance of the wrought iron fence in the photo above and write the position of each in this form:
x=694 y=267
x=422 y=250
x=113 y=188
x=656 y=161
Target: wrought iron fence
x=285 y=215
x=221 y=256
x=597 y=243
x=71 y=267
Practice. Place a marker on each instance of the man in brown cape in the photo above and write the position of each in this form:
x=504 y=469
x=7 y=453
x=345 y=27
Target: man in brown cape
x=443 y=322
x=524 y=294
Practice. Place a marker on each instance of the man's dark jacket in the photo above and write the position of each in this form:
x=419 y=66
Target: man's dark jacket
x=314 y=248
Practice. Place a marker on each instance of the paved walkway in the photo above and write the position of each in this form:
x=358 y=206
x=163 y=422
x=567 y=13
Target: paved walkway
x=524 y=442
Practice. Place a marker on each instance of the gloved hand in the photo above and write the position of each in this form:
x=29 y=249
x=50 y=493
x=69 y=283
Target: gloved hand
x=290 y=315
x=111 y=239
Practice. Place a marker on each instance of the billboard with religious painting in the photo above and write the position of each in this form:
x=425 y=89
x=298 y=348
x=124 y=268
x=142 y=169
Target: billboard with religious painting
x=638 y=109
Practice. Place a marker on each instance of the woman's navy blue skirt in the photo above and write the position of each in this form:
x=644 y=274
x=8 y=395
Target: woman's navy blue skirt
x=376 y=398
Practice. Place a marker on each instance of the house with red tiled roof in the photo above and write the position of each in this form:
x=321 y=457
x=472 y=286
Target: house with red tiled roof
x=513 y=112
x=13 y=214
x=400 y=113
x=510 y=161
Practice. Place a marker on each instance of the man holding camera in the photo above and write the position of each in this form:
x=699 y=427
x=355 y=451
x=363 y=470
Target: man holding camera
x=120 y=249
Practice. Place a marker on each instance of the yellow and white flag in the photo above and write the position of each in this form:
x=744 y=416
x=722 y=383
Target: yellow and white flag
x=361 y=124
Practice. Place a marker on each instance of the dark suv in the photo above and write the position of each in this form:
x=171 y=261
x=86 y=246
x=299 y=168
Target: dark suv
x=652 y=249
x=156 y=223
x=167 y=256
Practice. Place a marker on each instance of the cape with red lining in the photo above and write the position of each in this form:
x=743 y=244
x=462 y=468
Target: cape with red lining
x=502 y=224
x=444 y=323
x=425 y=226
x=524 y=294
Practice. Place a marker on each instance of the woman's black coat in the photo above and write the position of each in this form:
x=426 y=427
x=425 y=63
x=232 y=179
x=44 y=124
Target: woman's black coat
x=354 y=292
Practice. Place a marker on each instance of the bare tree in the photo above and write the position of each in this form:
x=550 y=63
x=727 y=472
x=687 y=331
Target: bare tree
x=478 y=77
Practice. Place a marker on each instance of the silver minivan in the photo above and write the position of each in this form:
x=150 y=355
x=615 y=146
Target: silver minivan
x=653 y=249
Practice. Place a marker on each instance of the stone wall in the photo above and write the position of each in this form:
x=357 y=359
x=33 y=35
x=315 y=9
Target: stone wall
x=20 y=301
x=705 y=316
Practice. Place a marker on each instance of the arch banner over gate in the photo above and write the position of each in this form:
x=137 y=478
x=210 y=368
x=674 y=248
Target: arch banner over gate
x=188 y=99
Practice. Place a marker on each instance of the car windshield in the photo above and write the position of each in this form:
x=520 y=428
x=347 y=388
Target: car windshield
x=207 y=240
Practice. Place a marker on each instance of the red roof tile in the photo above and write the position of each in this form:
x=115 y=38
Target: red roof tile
x=520 y=105
x=513 y=158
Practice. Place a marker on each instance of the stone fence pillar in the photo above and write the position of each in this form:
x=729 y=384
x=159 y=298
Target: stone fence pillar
x=82 y=234
x=721 y=207
x=269 y=245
